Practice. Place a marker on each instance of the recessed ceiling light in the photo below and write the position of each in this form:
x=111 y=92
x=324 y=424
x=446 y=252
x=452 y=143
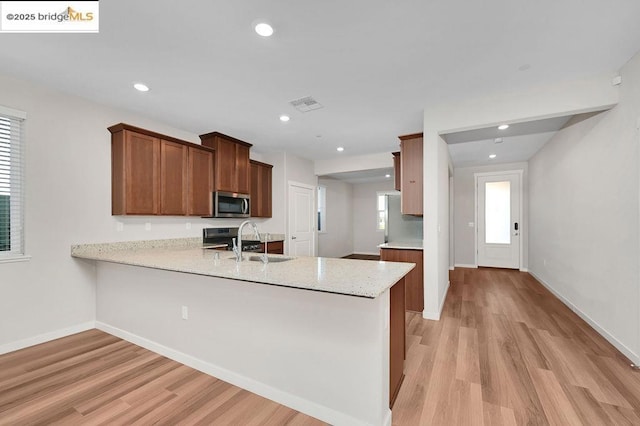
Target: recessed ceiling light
x=264 y=29
x=387 y=176
x=503 y=127
x=141 y=87
x=492 y=156
x=498 y=140
x=285 y=118
x=340 y=149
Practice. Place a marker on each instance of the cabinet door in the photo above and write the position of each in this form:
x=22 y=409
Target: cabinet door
x=242 y=169
x=260 y=190
x=411 y=176
x=173 y=178
x=414 y=280
x=226 y=166
x=141 y=158
x=200 y=182
x=397 y=171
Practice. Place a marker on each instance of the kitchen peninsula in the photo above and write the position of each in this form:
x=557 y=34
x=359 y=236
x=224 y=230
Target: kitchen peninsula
x=323 y=336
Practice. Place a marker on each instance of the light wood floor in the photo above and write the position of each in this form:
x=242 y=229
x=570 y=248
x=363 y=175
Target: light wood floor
x=93 y=378
x=506 y=352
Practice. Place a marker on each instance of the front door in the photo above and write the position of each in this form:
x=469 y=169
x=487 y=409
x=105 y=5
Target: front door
x=499 y=222
x=301 y=220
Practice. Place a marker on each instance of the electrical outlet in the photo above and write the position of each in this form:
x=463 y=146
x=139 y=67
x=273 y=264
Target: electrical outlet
x=147 y=226
x=188 y=225
x=185 y=313
x=119 y=226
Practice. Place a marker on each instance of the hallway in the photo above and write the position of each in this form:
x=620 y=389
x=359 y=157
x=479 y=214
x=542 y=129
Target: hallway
x=505 y=352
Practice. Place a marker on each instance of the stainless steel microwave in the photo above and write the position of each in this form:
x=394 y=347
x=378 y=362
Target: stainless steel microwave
x=231 y=204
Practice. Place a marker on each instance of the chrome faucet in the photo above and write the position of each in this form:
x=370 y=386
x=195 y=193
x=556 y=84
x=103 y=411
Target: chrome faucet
x=237 y=248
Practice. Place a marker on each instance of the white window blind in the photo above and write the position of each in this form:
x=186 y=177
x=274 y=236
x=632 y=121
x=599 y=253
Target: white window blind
x=11 y=183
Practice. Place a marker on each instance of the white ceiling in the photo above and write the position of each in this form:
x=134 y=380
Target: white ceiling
x=373 y=64
x=364 y=176
x=518 y=143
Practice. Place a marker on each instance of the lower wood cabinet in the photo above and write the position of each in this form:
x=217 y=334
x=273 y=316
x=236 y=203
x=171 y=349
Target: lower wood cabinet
x=273 y=247
x=397 y=339
x=414 y=280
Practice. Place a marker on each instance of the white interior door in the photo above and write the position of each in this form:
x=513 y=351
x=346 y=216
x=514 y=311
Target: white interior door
x=499 y=220
x=301 y=220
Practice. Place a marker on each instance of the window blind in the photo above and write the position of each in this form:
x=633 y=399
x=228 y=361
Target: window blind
x=11 y=184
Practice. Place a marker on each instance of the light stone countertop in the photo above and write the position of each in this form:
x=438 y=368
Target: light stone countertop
x=403 y=245
x=350 y=277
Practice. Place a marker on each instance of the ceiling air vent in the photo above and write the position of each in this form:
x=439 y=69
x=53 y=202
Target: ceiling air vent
x=306 y=104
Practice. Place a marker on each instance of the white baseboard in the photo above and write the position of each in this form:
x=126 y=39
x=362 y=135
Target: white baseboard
x=300 y=404
x=465 y=265
x=451 y=268
x=524 y=270
x=436 y=315
x=46 y=337
x=602 y=331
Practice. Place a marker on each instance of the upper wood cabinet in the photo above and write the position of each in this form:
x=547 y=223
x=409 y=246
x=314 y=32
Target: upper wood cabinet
x=411 y=174
x=260 y=189
x=154 y=174
x=173 y=178
x=135 y=173
x=200 y=182
x=231 y=162
x=396 y=171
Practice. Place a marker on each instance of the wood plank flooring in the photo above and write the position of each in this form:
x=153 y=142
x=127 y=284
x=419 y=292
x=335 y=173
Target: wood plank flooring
x=506 y=352
x=93 y=378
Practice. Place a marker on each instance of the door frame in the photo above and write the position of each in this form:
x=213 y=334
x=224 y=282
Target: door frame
x=314 y=208
x=520 y=173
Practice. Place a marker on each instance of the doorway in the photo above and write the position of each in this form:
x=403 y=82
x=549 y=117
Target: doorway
x=499 y=219
x=302 y=232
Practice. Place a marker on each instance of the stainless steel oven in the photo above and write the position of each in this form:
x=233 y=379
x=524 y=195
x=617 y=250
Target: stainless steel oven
x=231 y=204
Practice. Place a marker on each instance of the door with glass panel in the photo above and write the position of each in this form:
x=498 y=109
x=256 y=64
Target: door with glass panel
x=499 y=224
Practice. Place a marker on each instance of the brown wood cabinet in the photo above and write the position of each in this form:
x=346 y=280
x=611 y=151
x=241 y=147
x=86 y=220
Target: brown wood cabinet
x=200 y=182
x=260 y=189
x=231 y=162
x=173 y=178
x=154 y=174
x=414 y=280
x=273 y=247
x=397 y=171
x=411 y=174
x=397 y=339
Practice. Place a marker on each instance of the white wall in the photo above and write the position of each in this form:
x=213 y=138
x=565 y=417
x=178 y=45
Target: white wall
x=589 y=94
x=68 y=201
x=464 y=211
x=366 y=236
x=324 y=354
x=584 y=198
x=337 y=239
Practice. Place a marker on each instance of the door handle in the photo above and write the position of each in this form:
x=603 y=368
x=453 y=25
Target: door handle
x=293 y=237
x=515 y=228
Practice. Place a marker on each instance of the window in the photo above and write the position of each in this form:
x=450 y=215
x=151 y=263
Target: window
x=322 y=209
x=11 y=183
x=382 y=210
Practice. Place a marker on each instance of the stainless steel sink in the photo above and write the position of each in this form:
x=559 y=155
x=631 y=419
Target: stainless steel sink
x=270 y=259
